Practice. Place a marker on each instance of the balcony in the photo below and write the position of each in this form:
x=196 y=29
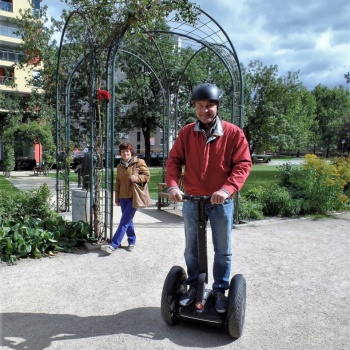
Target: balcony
x=7 y=81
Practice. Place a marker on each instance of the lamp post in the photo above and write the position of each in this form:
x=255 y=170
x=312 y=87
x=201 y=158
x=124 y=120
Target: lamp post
x=342 y=147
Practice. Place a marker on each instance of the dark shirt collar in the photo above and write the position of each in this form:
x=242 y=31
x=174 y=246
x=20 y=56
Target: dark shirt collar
x=216 y=130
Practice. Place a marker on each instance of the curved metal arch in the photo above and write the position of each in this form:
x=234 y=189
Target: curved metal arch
x=110 y=131
x=209 y=46
x=66 y=184
x=214 y=33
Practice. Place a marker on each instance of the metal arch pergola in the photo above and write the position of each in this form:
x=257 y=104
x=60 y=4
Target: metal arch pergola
x=206 y=34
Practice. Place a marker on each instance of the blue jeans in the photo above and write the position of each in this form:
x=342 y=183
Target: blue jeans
x=126 y=225
x=221 y=222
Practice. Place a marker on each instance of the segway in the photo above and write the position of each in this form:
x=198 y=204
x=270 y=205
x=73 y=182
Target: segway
x=203 y=309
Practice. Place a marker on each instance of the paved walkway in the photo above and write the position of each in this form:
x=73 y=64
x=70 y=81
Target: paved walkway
x=298 y=290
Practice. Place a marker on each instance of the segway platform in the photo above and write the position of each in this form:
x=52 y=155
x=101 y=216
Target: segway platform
x=207 y=314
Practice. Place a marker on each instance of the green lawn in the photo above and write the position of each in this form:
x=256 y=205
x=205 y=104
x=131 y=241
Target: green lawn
x=6 y=185
x=260 y=175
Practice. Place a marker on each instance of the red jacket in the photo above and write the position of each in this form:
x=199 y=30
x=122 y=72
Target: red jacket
x=222 y=162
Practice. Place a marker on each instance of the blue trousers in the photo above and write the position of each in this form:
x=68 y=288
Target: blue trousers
x=126 y=226
x=221 y=222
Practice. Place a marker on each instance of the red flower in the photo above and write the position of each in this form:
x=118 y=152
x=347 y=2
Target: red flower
x=103 y=95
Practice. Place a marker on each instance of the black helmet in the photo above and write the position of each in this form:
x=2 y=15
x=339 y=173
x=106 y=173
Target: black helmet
x=206 y=91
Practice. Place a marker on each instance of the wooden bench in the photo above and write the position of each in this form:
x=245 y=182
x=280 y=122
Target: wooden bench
x=163 y=198
x=40 y=169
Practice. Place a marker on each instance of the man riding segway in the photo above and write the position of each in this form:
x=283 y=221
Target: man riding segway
x=217 y=162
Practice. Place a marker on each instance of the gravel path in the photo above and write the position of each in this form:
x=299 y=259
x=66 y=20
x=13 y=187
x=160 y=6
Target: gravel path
x=298 y=291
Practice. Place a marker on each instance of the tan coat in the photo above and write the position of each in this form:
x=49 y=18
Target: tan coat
x=123 y=185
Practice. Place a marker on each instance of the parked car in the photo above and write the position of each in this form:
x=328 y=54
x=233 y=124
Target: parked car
x=261 y=158
x=23 y=163
x=156 y=158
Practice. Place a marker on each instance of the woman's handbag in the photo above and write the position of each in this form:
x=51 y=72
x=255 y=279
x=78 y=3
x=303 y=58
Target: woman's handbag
x=140 y=195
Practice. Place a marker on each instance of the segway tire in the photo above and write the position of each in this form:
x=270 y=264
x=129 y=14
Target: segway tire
x=174 y=286
x=236 y=306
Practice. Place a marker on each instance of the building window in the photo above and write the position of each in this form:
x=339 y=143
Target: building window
x=6 y=5
x=138 y=136
x=36 y=4
x=8 y=31
x=37 y=79
x=7 y=54
x=36 y=7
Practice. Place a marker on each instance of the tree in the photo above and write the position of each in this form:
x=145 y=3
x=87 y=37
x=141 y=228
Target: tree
x=278 y=110
x=347 y=77
x=332 y=113
x=19 y=135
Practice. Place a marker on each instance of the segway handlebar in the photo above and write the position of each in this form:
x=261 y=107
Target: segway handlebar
x=193 y=198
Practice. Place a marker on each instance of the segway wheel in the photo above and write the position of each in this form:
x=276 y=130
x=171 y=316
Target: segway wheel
x=236 y=306
x=174 y=287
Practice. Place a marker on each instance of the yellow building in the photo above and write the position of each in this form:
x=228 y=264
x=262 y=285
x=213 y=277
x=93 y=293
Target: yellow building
x=8 y=43
x=13 y=79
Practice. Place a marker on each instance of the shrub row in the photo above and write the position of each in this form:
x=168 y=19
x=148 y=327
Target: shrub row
x=318 y=187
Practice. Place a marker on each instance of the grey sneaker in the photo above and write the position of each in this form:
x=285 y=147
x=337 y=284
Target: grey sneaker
x=220 y=301
x=130 y=248
x=188 y=297
x=108 y=249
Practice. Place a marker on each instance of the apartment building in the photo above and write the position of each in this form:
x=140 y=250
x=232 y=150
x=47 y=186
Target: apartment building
x=13 y=79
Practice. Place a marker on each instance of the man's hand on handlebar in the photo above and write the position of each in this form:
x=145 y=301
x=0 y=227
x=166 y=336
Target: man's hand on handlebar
x=219 y=197
x=175 y=195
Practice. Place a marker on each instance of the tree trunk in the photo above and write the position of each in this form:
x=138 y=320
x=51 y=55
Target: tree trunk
x=147 y=135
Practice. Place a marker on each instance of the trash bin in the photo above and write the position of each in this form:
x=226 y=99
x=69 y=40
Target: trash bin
x=80 y=205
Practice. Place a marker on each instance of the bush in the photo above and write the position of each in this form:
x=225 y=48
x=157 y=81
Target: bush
x=268 y=201
x=9 y=159
x=22 y=205
x=255 y=194
x=322 y=185
x=29 y=228
x=249 y=210
x=37 y=238
x=277 y=201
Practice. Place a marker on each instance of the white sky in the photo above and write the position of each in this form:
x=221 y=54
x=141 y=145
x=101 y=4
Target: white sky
x=309 y=36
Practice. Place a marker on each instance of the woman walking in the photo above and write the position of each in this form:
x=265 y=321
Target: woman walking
x=130 y=169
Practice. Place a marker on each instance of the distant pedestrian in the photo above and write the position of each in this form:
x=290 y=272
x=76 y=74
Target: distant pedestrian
x=78 y=170
x=85 y=170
